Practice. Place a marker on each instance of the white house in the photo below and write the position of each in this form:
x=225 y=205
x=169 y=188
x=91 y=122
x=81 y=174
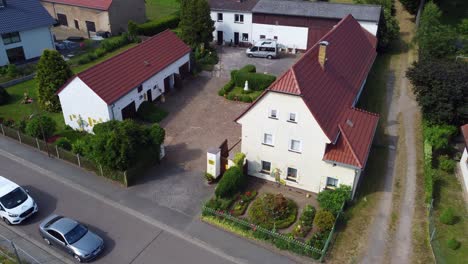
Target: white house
x=25 y=31
x=306 y=124
x=294 y=24
x=464 y=158
x=115 y=88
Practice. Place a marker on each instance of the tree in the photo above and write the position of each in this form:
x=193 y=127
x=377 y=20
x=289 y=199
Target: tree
x=41 y=127
x=52 y=73
x=411 y=5
x=196 y=25
x=441 y=89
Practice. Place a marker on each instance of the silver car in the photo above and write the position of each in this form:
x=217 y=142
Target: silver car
x=72 y=237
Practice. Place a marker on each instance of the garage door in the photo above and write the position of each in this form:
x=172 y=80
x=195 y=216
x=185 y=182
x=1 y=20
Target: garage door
x=129 y=112
x=184 y=70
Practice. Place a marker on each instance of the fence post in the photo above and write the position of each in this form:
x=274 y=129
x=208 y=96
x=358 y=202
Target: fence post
x=79 y=162
x=56 y=149
x=19 y=136
x=100 y=168
x=38 y=146
x=3 y=131
x=16 y=252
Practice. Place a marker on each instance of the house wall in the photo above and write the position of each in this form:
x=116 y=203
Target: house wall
x=82 y=14
x=228 y=26
x=312 y=170
x=155 y=83
x=464 y=168
x=121 y=11
x=290 y=37
x=79 y=101
x=33 y=41
x=370 y=26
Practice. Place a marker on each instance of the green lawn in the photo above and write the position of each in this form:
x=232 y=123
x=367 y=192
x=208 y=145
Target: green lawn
x=156 y=9
x=453 y=11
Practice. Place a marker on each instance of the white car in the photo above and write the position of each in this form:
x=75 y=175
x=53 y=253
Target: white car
x=15 y=202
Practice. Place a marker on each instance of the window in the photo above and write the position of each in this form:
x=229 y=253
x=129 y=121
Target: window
x=262 y=37
x=292 y=117
x=275 y=37
x=273 y=113
x=332 y=182
x=292 y=174
x=245 y=37
x=295 y=145
x=266 y=167
x=9 y=38
x=90 y=26
x=140 y=88
x=238 y=18
x=56 y=235
x=62 y=19
x=254 y=49
x=77 y=24
x=15 y=55
x=268 y=139
x=220 y=17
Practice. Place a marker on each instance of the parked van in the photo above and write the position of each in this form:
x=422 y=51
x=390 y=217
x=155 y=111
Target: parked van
x=264 y=48
x=15 y=202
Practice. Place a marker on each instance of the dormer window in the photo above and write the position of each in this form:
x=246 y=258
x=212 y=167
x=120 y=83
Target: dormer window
x=292 y=117
x=273 y=113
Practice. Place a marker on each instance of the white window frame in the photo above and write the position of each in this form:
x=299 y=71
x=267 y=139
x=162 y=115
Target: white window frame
x=262 y=170
x=294 y=150
x=272 y=139
x=295 y=117
x=332 y=186
x=270 y=113
x=245 y=39
x=291 y=178
x=239 y=20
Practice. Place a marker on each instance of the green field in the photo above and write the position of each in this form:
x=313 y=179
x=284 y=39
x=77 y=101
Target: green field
x=156 y=9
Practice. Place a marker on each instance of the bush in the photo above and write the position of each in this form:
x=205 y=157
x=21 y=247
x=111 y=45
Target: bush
x=111 y=44
x=453 y=244
x=12 y=71
x=4 y=96
x=257 y=81
x=448 y=216
x=209 y=177
x=318 y=241
x=249 y=68
x=332 y=200
x=148 y=112
x=231 y=183
x=64 y=143
x=217 y=203
x=239 y=207
x=226 y=88
x=39 y=125
x=21 y=125
x=324 y=220
x=80 y=147
x=446 y=164
x=239 y=159
x=305 y=222
x=273 y=210
x=154 y=27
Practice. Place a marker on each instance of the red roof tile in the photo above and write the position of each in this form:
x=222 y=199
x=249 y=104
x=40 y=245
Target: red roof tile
x=94 y=4
x=464 y=130
x=122 y=73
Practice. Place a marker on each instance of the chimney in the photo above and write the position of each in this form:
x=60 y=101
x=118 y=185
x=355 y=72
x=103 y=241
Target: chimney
x=322 y=55
x=3 y=3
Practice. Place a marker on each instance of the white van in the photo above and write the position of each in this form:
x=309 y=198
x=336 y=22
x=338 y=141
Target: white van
x=15 y=202
x=265 y=48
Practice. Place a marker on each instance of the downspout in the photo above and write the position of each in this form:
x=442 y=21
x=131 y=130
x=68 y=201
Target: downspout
x=112 y=111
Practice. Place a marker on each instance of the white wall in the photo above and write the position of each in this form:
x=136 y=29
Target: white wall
x=33 y=41
x=312 y=170
x=291 y=37
x=228 y=26
x=139 y=97
x=464 y=168
x=370 y=26
x=78 y=100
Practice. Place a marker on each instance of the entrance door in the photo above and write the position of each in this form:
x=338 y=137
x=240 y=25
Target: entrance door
x=91 y=26
x=220 y=38
x=236 y=38
x=15 y=55
x=148 y=95
x=129 y=112
x=167 y=84
x=62 y=19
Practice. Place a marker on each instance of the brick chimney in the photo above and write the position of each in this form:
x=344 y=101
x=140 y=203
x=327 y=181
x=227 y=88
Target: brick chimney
x=322 y=55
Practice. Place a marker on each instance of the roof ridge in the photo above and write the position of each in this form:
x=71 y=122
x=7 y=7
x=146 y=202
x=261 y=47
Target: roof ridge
x=345 y=137
x=365 y=111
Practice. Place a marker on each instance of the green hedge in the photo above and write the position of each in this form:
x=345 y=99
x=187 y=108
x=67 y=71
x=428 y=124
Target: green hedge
x=154 y=27
x=226 y=88
x=249 y=68
x=257 y=81
x=106 y=46
x=232 y=182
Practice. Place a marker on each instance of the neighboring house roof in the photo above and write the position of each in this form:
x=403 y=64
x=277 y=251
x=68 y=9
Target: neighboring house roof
x=21 y=15
x=318 y=9
x=232 y=5
x=124 y=72
x=330 y=92
x=93 y=4
x=464 y=130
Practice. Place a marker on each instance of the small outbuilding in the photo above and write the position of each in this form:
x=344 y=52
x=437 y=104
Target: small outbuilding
x=115 y=88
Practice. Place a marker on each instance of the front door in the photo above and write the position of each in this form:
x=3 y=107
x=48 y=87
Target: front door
x=220 y=38
x=129 y=112
x=236 y=38
x=167 y=84
x=148 y=96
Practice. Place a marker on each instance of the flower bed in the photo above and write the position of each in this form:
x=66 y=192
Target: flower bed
x=273 y=211
x=304 y=225
x=243 y=201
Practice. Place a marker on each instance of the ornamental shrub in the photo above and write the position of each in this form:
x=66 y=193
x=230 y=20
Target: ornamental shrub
x=80 y=147
x=226 y=88
x=332 y=200
x=64 y=143
x=273 y=211
x=446 y=164
x=231 y=183
x=324 y=220
x=39 y=125
x=453 y=244
x=257 y=81
x=154 y=27
x=249 y=68
x=239 y=159
x=448 y=216
x=111 y=44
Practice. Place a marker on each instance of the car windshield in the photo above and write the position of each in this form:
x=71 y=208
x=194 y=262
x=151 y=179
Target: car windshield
x=76 y=234
x=14 y=198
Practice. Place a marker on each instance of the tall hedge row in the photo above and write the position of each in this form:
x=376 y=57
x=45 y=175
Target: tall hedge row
x=257 y=81
x=154 y=27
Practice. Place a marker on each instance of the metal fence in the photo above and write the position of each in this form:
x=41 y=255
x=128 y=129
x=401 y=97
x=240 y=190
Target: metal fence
x=433 y=238
x=57 y=152
x=305 y=249
x=11 y=253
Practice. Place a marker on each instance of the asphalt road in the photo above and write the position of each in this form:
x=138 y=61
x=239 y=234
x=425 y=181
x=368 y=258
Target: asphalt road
x=127 y=238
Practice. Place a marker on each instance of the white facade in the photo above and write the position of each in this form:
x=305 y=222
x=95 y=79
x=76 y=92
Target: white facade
x=464 y=168
x=82 y=108
x=291 y=37
x=33 y=42
x=312 y=171
x=228 y=26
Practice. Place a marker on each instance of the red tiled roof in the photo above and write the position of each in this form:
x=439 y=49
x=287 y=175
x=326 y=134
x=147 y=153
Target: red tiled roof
x=94 y=4
x=122 y=73
x=464 y=130
x=357 y=131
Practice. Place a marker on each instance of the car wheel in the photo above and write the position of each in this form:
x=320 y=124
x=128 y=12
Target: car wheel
x=250 y=55
x=77 y=258
x=269 y=57
x=47 y=241
x=6 y=221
